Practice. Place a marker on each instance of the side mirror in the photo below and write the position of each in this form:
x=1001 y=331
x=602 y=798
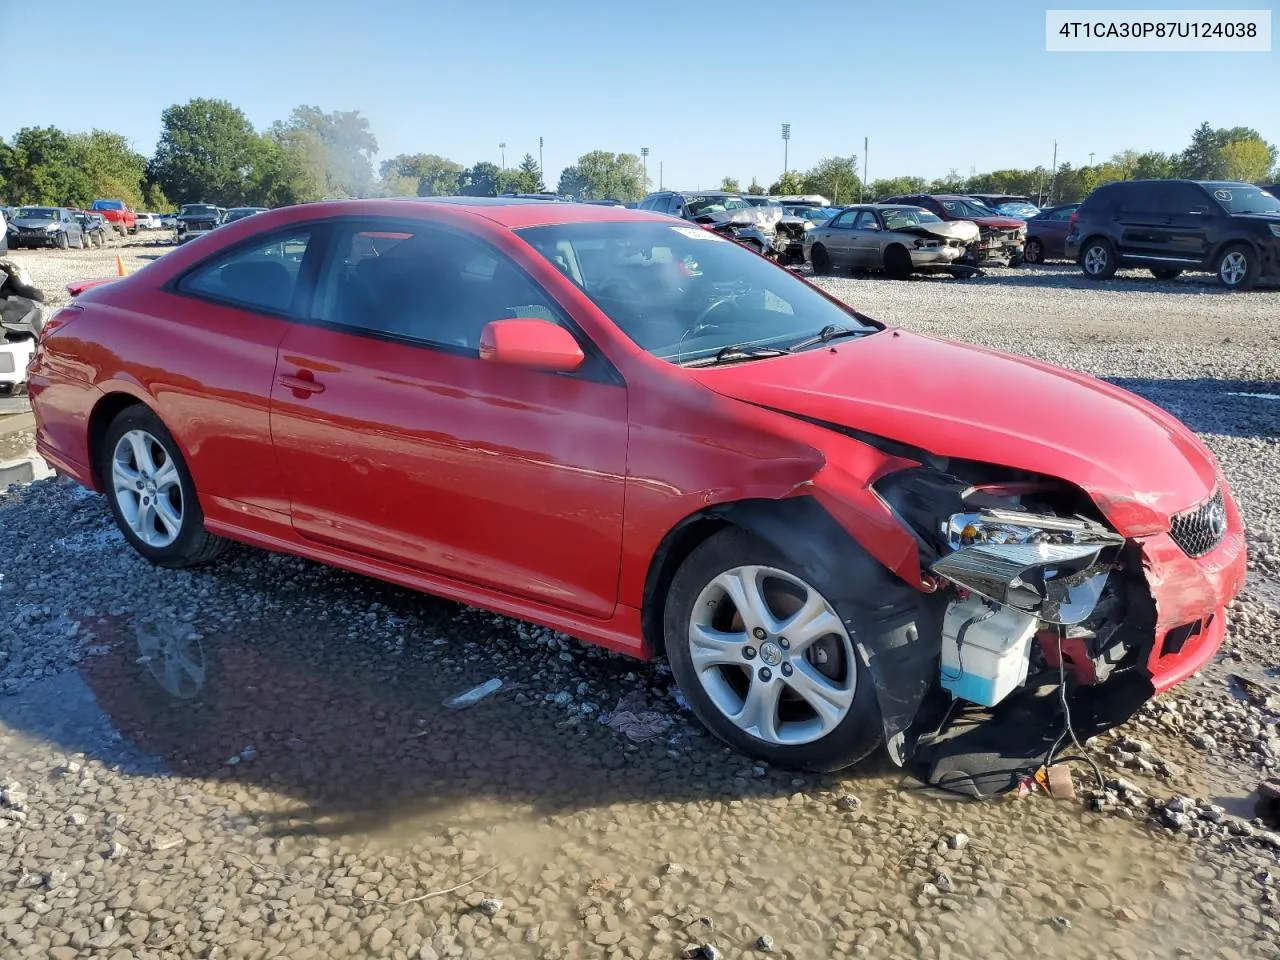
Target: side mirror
x=532 y=343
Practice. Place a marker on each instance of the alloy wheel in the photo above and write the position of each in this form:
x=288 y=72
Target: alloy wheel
x=1233 y=268
x=772 y=655
x=1095 y=259
x=148 y=488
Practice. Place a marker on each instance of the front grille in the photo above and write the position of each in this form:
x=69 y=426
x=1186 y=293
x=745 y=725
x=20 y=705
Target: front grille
x=1200 y=530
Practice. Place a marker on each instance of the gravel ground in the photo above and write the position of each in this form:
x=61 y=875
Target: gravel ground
x=307 y=794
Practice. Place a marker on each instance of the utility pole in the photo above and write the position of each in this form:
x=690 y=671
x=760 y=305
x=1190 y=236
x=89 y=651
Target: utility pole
x=866 y=143
x=541 y=172
x=786 y=144
x=644 y=163
x=503 y=147
x=1053 y=183
x=660 y=174
x=1091 y=158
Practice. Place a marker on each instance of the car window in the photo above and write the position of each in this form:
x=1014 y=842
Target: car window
x=262 y=276
x=675 y=205
x=1242 y=198
x=1063 y=213
x=843 y=221
x=425 y=284
x=648 y=203
x=1181 y=198
x=866 y=221
x=1139 y=198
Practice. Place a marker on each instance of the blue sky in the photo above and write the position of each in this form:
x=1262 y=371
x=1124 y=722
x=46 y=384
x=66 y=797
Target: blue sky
x=705 y=85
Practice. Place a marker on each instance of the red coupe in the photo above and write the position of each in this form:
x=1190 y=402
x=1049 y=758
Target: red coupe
x=635 y=431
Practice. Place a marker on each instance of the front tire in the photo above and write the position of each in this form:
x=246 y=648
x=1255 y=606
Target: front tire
x=151 y=494
x=1238 y=267
x=897 y=263
x=765 y=660
x=821 y=261
x=62 y=242
x=1098 y=259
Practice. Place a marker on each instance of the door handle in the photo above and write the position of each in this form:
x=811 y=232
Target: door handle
x=301 y=385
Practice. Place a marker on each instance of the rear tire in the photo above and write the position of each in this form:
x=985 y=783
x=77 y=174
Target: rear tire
x=1098 y=259
x=1165 y=273
x=1238 y=267
x=140 y=468
x=735 y=669
x=821 y=261
x=1034 y=253
x=897 y=263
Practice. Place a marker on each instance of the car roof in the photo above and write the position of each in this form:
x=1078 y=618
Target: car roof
x=510 y=212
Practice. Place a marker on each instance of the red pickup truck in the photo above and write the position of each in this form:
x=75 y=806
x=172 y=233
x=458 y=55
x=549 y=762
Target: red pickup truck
x=118 y=214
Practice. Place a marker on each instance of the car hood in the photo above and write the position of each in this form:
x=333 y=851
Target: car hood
x=27 y=223
x=999 y=223
x=949 y=229
x=1138 y=463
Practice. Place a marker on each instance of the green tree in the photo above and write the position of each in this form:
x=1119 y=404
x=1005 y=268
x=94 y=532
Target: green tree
x=113 y=168
x=528 y=176
x=789 y=183
x=44 y=166
x=481 y=180
x=437 y=176
x=153 y=198
x=1202 y=158
x=600 y=175
x=1153 y=165
x=951 y=183
x=281 y=175
x=730 y=185
x=896 y=187
x=338 y=146
x=836 y=178
x=755 y=189
x=1247 y=160
x=205 y=153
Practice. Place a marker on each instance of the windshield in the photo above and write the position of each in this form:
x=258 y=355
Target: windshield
x=966 y=208
x=199 y=208
x=907 y=217
x=37 y=213
x=1241 y=198
x=107 y=205
x=684 y=293
x=701 y=205
x=1017 y=208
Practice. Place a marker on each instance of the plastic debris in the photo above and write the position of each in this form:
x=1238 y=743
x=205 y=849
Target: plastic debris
x=473 y=696
x=634 y=720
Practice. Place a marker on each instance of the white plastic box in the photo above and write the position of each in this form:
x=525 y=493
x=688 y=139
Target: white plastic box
x=986 y=660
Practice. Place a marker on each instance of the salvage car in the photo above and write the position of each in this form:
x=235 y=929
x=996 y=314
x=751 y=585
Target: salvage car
x=94 y=226
x=1000 y=238
x=625 y=428
x=897 y=239
x=1007 y=204
x=239 y=213
x=722 y=212
x=197 y=219
x=1047 y=233
x=21 y=316
x=45 y=227
x=1222 y=227
x=117 y=213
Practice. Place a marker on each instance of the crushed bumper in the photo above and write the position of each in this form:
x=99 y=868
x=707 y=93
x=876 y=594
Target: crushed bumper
x=1191 y=596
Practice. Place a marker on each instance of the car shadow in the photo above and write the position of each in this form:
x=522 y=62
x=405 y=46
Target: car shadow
x=1067 y=276
x=1232 y=408
x=354 y=732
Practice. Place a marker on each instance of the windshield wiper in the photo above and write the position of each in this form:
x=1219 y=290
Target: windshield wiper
x=739 y=351
x=830 y=332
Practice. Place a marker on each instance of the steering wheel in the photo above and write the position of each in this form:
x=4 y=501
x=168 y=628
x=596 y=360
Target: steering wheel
x=715 y=304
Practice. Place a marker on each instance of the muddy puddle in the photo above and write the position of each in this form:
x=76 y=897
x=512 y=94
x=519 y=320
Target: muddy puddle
x=300 y=768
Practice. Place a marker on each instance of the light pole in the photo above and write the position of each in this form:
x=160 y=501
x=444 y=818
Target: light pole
x=660 y=174
x=644 y=165
x=866 y=145
x=541 y=172
x=786 y=143
x=1091 y=158
x=503 y=147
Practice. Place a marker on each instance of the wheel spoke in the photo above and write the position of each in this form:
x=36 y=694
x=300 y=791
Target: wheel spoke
x=759 y=713
x=743 y=588
x=145 y=523
x=170 y=519
x=166 y=476
x=125 y=476
x=813 y=620
x=829 y=700
x=711 y=648
x=141 y=444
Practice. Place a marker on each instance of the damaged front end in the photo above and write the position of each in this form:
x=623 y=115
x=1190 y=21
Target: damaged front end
x=1026 y=578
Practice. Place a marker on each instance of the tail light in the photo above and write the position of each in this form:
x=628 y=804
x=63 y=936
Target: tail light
x=1071 y=224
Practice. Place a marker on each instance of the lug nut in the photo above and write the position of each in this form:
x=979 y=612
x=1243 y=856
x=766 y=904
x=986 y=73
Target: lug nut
x=749 y=652
x=766 y=674
x=786 y=669
x=759 y=633
x=784 y=643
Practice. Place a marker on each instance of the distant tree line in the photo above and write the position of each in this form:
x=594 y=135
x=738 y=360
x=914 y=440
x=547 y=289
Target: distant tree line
x=209 y=151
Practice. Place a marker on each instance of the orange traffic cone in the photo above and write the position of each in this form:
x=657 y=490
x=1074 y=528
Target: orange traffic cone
x=120 y=270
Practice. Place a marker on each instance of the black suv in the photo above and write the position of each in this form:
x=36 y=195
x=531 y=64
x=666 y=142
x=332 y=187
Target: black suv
x=1168 y=226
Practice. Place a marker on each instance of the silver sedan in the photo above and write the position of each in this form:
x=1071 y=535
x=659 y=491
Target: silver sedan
x=895 y=238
